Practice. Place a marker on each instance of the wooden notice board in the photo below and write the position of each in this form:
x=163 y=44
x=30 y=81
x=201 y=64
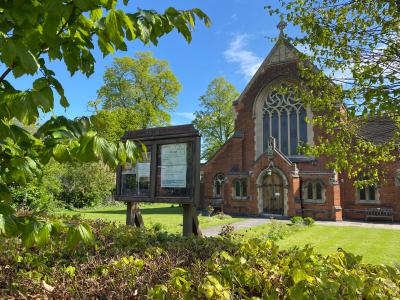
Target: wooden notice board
x=168 y=173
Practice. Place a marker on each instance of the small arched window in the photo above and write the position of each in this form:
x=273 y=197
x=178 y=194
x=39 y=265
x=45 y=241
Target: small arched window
x=218 y=185
x=239 y=189
x=244 y=189
x=310 y=190
x=238 y=192
x=318 y=190
x=313 y=191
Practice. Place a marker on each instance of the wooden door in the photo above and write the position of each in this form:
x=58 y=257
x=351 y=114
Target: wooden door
x=273 y=194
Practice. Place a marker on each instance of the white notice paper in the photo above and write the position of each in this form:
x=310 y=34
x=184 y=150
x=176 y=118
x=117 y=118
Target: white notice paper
x=143 y=169
x=174 y=167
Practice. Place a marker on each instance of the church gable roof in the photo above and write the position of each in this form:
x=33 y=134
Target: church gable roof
x=282 y=52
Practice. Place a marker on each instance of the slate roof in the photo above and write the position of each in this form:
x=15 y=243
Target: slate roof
x=379 y=129
x=155 y=133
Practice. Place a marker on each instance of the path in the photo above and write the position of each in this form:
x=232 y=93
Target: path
x=252 y=222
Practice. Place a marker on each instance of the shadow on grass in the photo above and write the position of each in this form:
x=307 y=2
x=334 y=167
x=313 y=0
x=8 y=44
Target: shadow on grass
x=144 y=211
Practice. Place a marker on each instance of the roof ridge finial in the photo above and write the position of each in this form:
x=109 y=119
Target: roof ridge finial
x=281 y=26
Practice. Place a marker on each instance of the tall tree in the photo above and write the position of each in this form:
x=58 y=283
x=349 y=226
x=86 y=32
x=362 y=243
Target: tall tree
x=142 y=83
x=112 y=124
x=32 y=33
x=215 y=119
x=356 y=43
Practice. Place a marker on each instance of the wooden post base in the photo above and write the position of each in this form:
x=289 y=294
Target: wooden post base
x=133 y=215
x=190 y=221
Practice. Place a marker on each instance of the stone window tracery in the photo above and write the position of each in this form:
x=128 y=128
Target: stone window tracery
x=284 y=119
x=219 y=180
x=313 y=191
x=239 y=189
x=367 y=194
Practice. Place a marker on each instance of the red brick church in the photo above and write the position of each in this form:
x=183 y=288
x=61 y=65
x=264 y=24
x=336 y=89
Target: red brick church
x=253 y=174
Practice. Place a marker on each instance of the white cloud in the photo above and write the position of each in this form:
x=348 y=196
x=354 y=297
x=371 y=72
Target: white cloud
x=247 y=61
x=185 y=115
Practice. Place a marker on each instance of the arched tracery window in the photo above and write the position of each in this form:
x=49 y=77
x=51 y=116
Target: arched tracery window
x=313 y=191
x=284 y=119
x=239 y=189
x=218 y=185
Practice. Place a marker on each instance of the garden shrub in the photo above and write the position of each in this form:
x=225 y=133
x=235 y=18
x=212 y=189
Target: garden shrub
x=86 y=184
x=34 y=197
x=134 y=263
x=227 y=230
x=297 y=220
x=309 y=221
x=277 y=230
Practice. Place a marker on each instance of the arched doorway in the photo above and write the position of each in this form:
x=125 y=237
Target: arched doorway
x=273 y=201
x=272 y=190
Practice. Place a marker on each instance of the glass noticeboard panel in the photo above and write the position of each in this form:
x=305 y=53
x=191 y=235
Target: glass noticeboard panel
x=174 y=167
x=135 y=179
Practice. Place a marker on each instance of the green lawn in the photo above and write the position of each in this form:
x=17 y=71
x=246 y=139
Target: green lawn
x=169 y=217
x=374 y=245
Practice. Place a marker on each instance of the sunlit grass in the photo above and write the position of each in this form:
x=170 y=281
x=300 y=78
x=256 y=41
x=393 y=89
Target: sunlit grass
x=375 y=245
x=169 y=216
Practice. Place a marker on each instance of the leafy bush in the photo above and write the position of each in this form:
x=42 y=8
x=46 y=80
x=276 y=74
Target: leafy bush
x=277 y=230
x=309 y=221
x=86 y=184
x=33 y=197
x=227 y=230
x=128 y=262
x=297 y=220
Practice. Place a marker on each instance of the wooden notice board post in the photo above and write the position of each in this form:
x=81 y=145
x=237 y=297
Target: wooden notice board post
x=169 y=173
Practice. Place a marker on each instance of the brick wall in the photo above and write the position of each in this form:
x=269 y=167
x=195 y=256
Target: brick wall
x=236 y=159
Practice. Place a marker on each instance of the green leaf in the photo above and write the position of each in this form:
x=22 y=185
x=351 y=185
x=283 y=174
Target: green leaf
x=113 y=28
x=5 y=194
x=86 y=233
x=22 y=107
x=85 y=5
x=6 y=209
x=43 y=233
x=2 y=225
x=105 y=150
x=79 y=232
x=9 y=52
x=44 y=99
x=40 y=83
x=96 y=14
x=26 y=59
x=64 y=102
x=61 y=153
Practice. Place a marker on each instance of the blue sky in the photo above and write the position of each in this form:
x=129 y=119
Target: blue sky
x=233 y=47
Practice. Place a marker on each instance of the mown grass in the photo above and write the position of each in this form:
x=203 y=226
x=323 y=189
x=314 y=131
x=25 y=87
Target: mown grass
x=169 y=217
x=376 y=246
